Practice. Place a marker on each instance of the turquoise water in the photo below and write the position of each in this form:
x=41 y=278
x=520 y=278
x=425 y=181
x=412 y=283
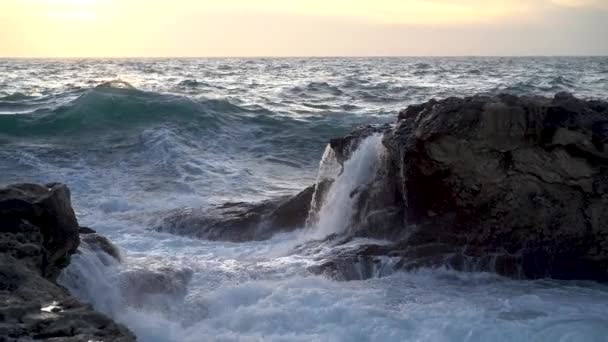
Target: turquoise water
x=136 y=138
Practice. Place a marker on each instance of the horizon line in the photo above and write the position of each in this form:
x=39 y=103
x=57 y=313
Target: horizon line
x=304 y=56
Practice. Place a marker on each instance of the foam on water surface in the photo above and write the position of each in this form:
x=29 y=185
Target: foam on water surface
x=192 y=133
x=261 y=291
x=230 y=302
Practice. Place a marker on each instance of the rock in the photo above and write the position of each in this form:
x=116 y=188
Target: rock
x=38 y=234
x=100 y=242
x=156 y=290
x=241 y=221
x=515 y=185
x=357 y=262
x=86 y=230
x=45 y=211
x=344 y=146
x=378 y=205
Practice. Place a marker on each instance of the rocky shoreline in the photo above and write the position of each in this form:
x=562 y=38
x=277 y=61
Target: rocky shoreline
x=38 y=235
x=506 y=184
x=512 y=185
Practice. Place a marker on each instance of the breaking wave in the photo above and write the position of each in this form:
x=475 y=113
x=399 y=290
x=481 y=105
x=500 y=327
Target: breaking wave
x=203 y=132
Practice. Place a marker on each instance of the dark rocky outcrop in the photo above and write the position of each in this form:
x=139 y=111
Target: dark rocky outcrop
x=38 y=234
x=241 y=221
x=40 y=215
x=515 y=185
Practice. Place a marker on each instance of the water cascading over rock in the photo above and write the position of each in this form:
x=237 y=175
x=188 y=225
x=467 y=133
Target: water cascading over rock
x=513 y=185
x=337 y=214
x=353 y=199
x=508 y=184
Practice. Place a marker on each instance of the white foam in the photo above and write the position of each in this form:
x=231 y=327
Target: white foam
x=339 y=207
x=437 y=305
x=261 y=291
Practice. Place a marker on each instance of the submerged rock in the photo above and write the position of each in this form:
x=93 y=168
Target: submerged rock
x=356 y=262
x=38 y=234
x=158 y=290
x=515 y=185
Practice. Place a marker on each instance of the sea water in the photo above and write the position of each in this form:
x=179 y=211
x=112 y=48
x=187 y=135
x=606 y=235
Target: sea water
x=134 y=139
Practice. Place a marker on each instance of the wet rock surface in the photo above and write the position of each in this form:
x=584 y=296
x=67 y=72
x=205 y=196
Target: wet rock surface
x=514 y=185
x=345 y=259
x=507 y=184
x=38 y=234
x=345 y=146
x=101 y=243
x=241 y=221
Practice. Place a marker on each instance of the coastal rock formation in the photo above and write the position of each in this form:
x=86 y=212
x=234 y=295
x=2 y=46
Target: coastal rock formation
x=100 y=243
x=507 y=184
x=515 y=185
x=38 y=234
x=241 y=221
x=39 y=215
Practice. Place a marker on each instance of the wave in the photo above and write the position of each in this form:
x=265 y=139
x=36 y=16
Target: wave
x=561 y=81
x=118 y=106
x=116 y=129
x=317 y=88
x=16 y=97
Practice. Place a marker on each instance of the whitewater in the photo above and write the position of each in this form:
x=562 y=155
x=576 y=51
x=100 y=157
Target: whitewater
x=137 y=138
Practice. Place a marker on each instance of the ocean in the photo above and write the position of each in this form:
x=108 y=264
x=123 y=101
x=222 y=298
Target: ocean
x=137 y=138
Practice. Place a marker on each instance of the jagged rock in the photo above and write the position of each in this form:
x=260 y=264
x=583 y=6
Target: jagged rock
x=241 y=221
x=43 y=215
x=38 y=234
x=510 y=184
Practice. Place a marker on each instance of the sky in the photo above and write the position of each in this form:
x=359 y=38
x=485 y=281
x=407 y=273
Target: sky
x=215 y=28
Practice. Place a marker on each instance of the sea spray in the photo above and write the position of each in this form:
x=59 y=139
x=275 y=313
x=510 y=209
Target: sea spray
x=149 y=301
x=251 y=291
x=339 y=205
x=329 y=169
x=92 y=277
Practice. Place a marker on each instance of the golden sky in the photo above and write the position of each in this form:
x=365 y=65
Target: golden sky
x=100 y=28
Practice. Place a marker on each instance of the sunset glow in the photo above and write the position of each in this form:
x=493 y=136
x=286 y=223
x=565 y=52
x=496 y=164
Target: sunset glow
x=277 y=27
